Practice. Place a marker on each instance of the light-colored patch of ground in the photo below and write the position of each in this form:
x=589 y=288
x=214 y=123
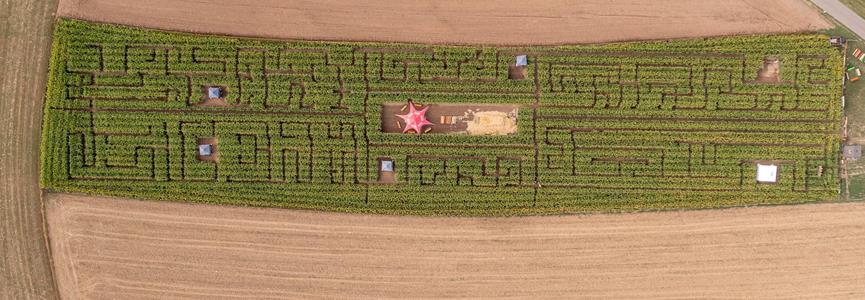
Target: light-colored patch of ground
x=508 y=22
x=25 y=40
x=125 y=249
x=492 y=123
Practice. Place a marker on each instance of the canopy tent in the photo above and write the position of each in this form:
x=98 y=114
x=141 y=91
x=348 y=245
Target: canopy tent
x=767 y=173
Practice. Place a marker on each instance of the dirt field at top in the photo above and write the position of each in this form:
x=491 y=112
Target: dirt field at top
x=455 y=21
x=124 y=249
x=25 y=39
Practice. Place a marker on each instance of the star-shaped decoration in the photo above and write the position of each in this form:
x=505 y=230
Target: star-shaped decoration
x=415 y=119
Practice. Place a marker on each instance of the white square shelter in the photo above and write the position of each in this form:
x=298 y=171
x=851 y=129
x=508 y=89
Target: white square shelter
x=522 y=60
x=767 y=173
x=214 y=93
x=205 y=150
x=387 y=166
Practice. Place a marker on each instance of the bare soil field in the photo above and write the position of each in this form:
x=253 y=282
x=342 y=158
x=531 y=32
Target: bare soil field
x=25 y=40
x=124 y=249
x=507 y=22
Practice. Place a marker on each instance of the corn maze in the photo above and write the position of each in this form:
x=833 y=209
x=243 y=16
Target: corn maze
x=618 y=127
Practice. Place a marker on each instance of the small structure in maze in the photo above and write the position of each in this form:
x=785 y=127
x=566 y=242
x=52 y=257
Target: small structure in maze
x=214 y=92
x=207 y=149
x=767 y=172
x=386 y=173
x=522 y=60
x=517 y=70
x=214 y=95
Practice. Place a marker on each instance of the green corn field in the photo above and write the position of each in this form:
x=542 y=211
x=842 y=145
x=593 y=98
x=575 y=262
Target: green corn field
x=616 y=127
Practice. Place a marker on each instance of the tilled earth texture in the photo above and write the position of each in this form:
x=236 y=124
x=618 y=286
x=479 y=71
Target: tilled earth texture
x=25 y=41
x=458 y=22
x=125 y=249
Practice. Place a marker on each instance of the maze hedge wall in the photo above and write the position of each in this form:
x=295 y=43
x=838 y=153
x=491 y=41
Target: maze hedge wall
x=617 y=127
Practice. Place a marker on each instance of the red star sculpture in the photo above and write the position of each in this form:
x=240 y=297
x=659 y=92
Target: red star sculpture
x=415 y=119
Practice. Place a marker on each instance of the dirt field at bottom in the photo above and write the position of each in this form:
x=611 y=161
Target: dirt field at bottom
x=507 y=22
x=124 y=249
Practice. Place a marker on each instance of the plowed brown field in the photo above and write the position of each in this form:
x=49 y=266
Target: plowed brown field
x=457 y=21
x=125 y=249
x=25 y=41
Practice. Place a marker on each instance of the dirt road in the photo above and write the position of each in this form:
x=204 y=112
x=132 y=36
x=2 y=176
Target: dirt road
x=25 y=40
x=457 y=21
x=110 y=248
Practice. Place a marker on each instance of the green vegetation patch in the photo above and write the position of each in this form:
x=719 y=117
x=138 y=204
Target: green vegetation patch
x=299 y=124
